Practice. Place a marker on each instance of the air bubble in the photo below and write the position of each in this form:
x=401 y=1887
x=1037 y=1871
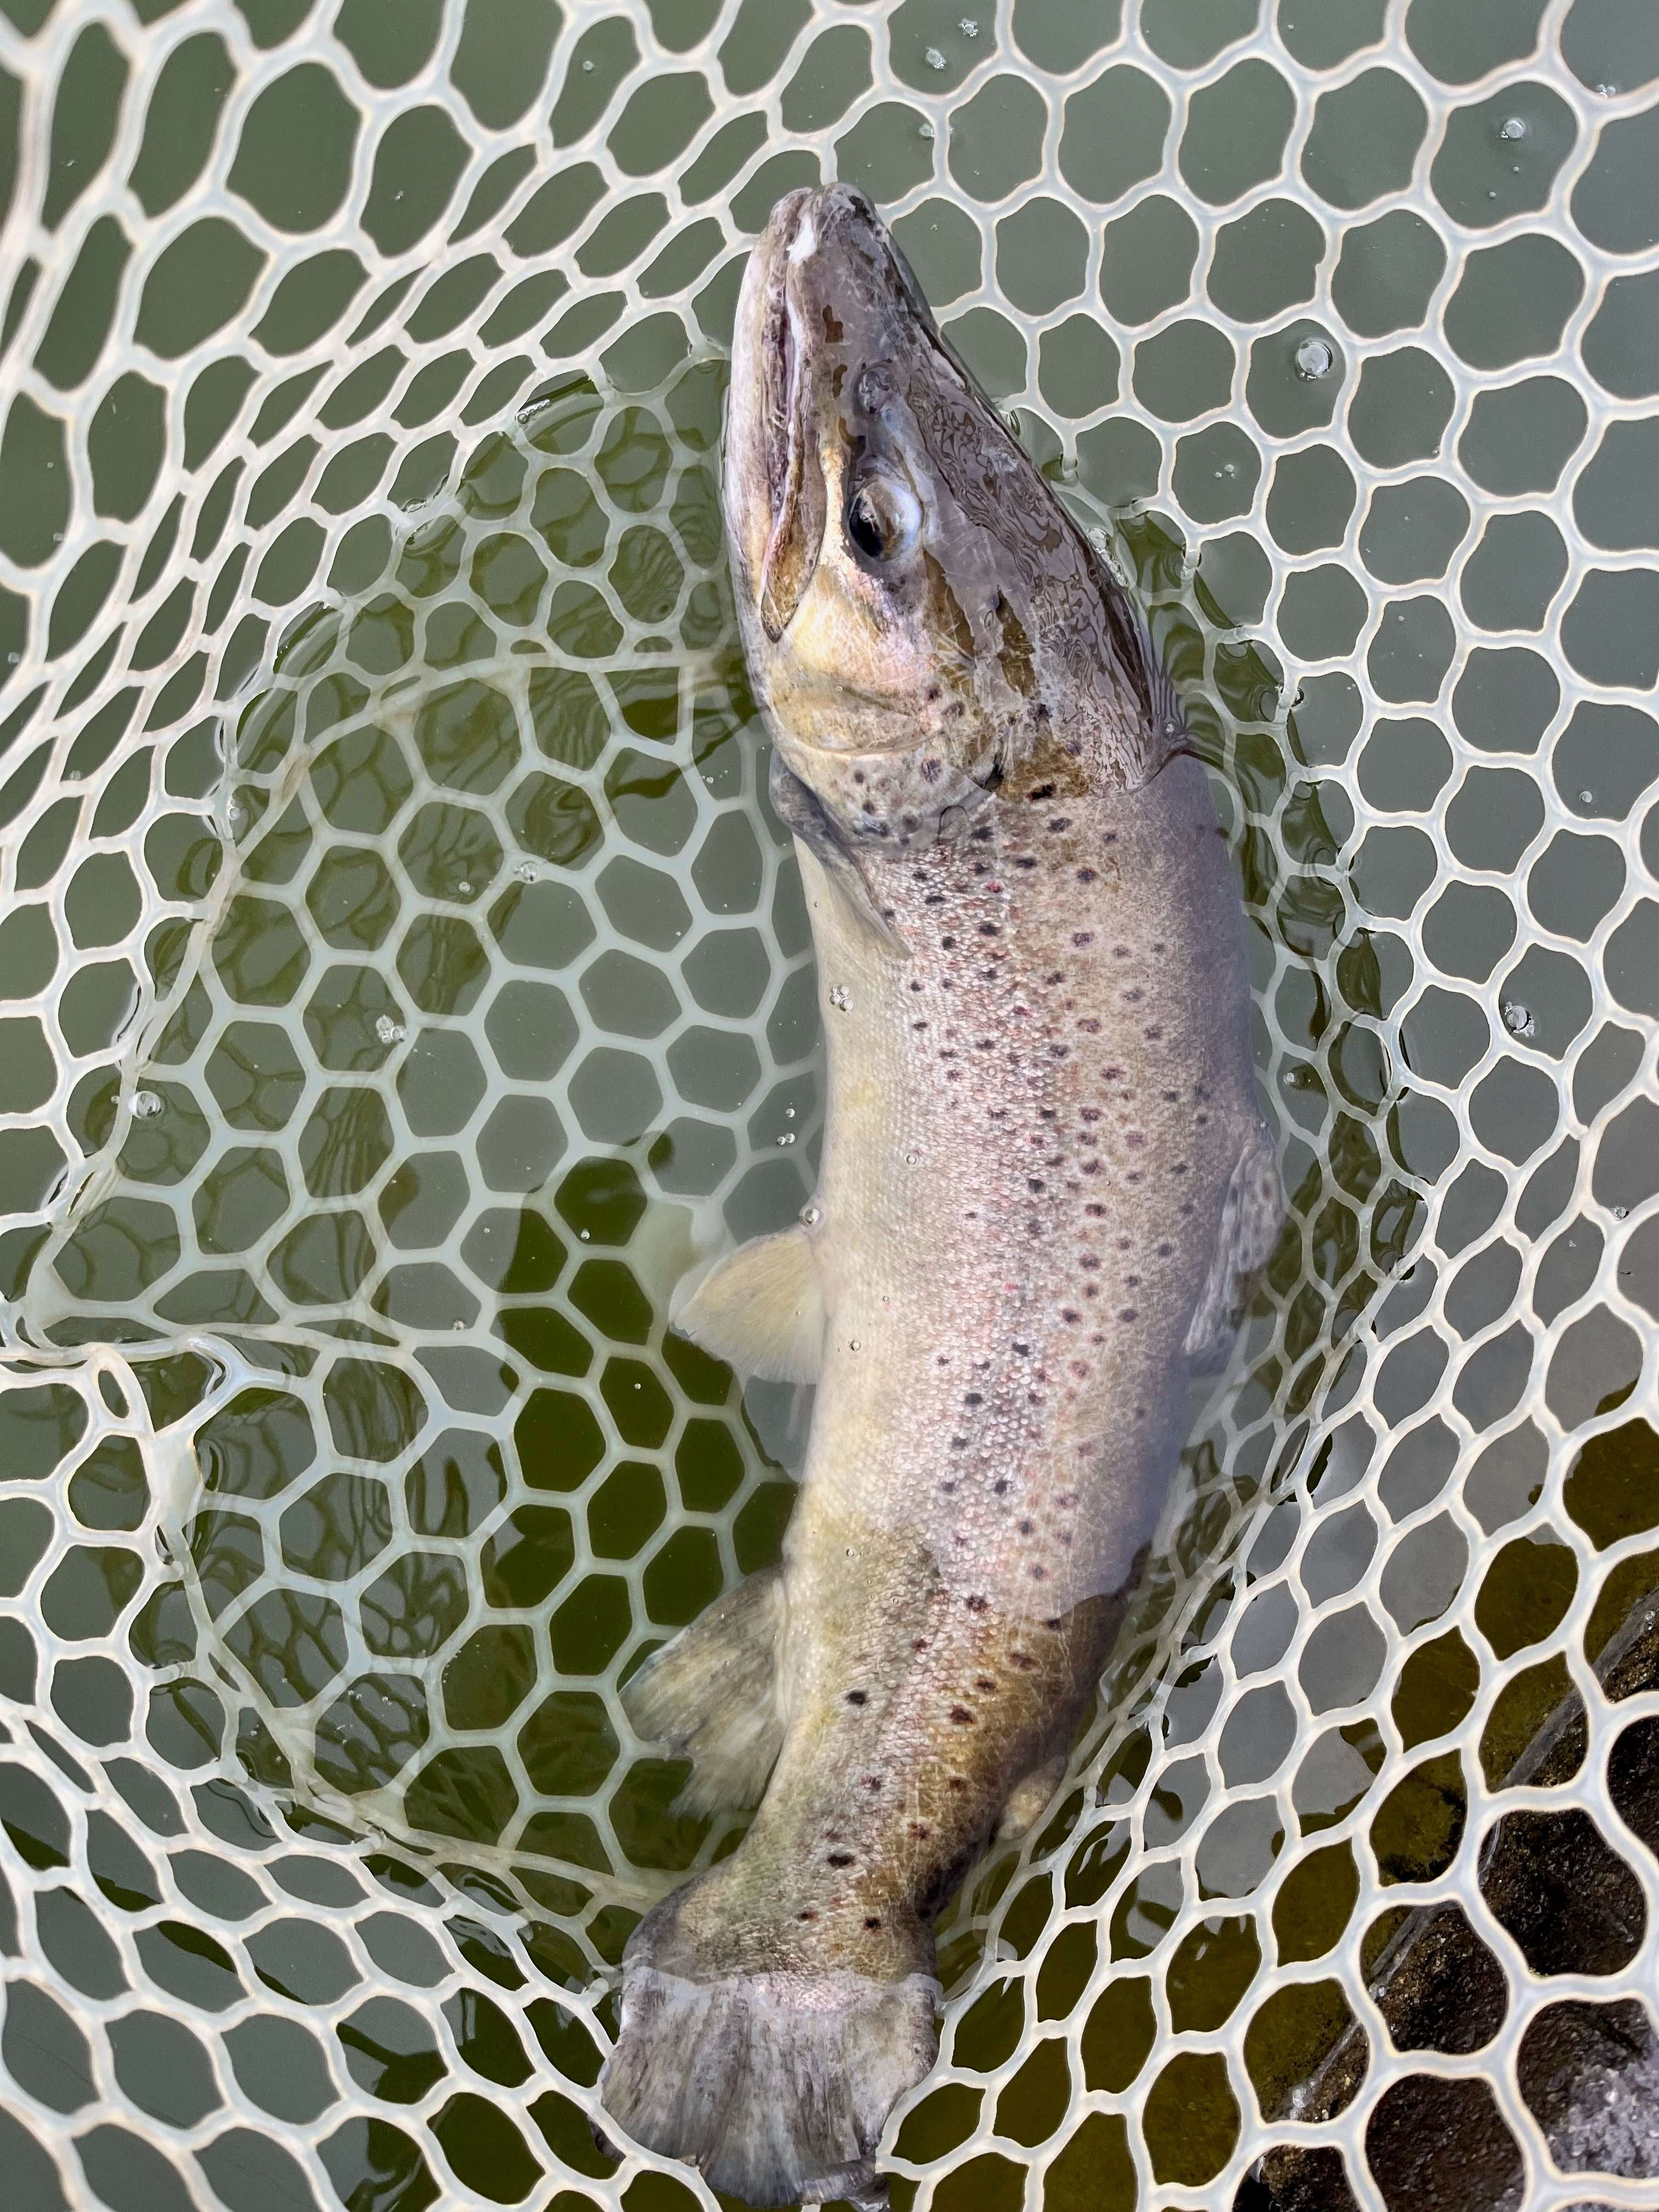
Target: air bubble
x=910 y=1159
x=839 y=998
x=527 y=872
x=788 y=1136
x=851 y=1344
x=1511 y=129
x=144 y=1104
x=1518 y=1020
x=935 y=59
x=1313 y=359
x=926 y=130
x=811 y=1216
x=389 y=1031
x=968 y=27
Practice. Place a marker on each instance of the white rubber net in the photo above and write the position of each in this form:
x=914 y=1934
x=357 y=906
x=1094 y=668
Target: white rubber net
x=404 y=977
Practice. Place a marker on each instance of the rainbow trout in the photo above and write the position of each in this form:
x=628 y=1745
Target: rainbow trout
x=1046 y=1189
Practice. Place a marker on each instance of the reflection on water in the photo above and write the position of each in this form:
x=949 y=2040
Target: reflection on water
x=400 y=1136
x=500 y=957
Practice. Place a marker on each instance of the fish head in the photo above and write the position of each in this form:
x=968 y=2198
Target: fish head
x=918 y=609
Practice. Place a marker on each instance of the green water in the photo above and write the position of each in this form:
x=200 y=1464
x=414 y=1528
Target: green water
x=454 y=873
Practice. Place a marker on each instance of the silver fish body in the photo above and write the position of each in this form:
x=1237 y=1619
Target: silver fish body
x=1044 y=1192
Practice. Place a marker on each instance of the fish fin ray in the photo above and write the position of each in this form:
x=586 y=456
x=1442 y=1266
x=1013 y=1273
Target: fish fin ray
x=709 y=1695
x=761 y=1308
x=777 y=2085
x=1252 y=1213
x=1029 y=1800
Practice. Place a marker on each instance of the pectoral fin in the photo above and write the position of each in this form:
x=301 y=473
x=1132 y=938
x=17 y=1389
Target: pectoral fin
x=761 y=1308
x=709 y=1696
x=798 y=808
x=1251 y=1214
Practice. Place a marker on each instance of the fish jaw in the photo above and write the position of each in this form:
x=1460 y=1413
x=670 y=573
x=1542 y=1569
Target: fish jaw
x=857 y=660
x=919 y=612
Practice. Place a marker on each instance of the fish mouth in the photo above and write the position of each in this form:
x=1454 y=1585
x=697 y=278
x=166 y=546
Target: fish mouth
x=804 y=224
x=823 y=267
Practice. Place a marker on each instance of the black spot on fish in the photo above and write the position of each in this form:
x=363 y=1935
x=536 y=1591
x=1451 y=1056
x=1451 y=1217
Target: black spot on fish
x=874 y=1921
x=961 y=1717
x=858 y=1697
x=839 y=1859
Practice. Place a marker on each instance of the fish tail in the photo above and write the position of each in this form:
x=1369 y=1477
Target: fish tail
x=776 y=2083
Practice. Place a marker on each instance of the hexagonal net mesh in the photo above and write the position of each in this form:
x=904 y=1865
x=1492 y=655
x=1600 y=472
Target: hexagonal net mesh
x=405 y=978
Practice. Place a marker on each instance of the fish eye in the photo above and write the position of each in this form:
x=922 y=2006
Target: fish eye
x=882 y=518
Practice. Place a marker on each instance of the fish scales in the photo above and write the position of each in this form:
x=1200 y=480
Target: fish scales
x=1045 y=1189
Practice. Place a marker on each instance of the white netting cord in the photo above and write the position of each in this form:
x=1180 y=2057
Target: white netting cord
x=1496 y=1359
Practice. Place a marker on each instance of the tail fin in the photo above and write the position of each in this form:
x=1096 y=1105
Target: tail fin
x=775 y=2085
